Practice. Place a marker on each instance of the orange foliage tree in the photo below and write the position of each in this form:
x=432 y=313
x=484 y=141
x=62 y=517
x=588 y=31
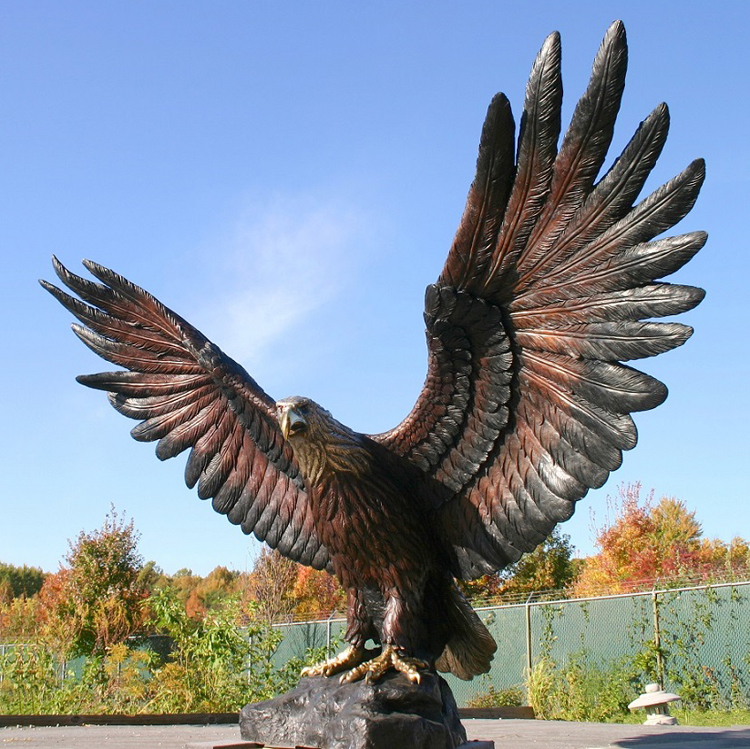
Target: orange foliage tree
x=199 y=595
x=95 y=601
x=647 y=540
x=317 y=594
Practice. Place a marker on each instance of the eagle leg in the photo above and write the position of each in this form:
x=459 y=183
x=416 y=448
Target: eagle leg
x=398 y=623
x=359 y=629
x=349 y=658
x=390 y=658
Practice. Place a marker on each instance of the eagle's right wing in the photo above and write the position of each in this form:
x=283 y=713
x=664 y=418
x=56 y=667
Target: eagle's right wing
x=549 y=287
x=188 y=394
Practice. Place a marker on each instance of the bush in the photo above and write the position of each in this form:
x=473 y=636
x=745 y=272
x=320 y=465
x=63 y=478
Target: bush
x=212 y=667
x=509 y=697
x=581 y=690
x=30 y=681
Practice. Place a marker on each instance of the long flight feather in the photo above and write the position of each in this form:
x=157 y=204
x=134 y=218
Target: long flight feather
x=537 y=147
x=564 y=305
x=584 y=147
x=610 y=200
x=488 y=196
x=659 y=211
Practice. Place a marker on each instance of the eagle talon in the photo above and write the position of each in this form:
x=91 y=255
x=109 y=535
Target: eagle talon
x=351 y=657
x=390 y=658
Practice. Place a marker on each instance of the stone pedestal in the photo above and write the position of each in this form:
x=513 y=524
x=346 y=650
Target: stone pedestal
x=392 y=713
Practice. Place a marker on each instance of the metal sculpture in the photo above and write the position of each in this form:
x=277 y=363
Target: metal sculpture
x=549 y=286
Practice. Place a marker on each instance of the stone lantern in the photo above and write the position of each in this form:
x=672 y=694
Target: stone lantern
x=655 y=701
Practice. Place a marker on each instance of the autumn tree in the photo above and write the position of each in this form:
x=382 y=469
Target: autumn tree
x=95 y=600
x=646 y=540
x=317 y=594
x=270 y=586
x=211 y=592
x=720 y=558
x=481 y=589
x=183 y=583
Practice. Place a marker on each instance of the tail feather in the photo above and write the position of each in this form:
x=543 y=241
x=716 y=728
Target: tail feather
x=471 y=648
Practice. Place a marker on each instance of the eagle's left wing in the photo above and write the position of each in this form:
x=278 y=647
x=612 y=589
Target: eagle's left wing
x=188 y=394
x=548 y=288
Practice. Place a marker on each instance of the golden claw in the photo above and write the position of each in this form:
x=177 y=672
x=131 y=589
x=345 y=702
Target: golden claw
x=347 y=659
x=390 y=658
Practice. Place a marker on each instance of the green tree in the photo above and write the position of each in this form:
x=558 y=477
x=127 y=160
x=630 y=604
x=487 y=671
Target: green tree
x=21 y=581
x=550 y=566
x=151 y=577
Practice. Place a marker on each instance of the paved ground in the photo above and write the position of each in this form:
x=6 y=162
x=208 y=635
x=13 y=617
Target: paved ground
x=507 y=734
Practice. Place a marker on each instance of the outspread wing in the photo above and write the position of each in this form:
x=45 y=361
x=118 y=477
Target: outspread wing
x=548 y=288
x=188 y=394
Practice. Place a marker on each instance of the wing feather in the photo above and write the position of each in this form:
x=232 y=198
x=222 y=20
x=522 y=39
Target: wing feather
x=610 y=199
x=607 y=340
x=187 y=394
x=537 y=149
x=488 y=196
x=566 y=307
x=583 y=149
x=527 y=402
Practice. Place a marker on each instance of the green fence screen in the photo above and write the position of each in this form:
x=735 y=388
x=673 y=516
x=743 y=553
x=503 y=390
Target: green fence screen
x=696 y=639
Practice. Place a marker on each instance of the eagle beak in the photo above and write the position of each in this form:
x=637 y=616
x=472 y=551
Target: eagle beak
x=292 y=422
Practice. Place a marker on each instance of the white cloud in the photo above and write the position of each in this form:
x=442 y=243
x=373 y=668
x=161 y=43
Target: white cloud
x=285 y=259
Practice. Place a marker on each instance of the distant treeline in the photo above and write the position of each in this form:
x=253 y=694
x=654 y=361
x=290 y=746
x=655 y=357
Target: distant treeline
x=20 y=581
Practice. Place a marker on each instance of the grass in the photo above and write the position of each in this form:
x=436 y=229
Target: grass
x=712 y=718
x=583 y=691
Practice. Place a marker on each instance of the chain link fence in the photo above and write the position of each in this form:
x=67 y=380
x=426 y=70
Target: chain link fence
x=693 y=640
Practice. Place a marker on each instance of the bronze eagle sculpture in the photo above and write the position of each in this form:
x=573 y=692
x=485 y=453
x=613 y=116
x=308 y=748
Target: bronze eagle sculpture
x=550 y=285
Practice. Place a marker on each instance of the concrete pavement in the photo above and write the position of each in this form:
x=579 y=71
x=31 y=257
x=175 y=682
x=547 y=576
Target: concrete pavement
x=507 y=734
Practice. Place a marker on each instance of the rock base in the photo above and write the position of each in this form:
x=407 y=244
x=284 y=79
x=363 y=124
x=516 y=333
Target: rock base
x=392 y=713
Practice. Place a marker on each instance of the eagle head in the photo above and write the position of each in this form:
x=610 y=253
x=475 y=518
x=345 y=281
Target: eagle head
x=302 y=419
x=320 y=442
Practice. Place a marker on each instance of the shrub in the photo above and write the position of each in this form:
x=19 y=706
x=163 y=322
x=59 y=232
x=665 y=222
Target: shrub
x=582 y=690
x=509 y=697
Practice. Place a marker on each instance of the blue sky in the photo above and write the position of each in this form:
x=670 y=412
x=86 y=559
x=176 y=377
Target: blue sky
x=289 y=178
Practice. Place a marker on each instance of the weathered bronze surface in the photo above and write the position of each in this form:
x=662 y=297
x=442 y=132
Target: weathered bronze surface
x=389 y=713
x=549 y=287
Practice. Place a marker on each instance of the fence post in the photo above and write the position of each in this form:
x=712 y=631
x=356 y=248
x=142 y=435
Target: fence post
x=657 y=641
x=328 y=634
x=249 y=658
x=529 y=659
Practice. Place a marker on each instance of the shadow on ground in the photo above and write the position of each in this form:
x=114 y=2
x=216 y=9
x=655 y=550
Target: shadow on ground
x=729 y=739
